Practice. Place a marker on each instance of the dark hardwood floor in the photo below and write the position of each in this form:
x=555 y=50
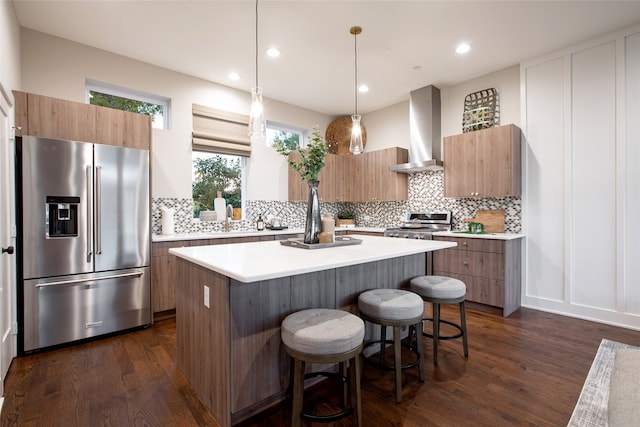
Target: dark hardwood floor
x=527 y=369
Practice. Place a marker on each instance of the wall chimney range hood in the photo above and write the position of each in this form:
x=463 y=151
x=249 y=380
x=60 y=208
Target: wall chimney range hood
x=425 y=142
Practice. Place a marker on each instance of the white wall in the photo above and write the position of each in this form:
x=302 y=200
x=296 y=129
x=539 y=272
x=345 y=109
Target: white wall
x=68 y=64
x=581 y=199
x=506 y=82
x=389 y=127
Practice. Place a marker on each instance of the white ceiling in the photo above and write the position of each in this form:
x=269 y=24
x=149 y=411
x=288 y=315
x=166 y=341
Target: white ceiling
x=210 y=38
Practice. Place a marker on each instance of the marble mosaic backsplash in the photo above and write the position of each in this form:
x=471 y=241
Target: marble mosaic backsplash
x=426 y=193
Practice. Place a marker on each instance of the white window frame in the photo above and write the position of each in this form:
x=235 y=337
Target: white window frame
x=123 y=92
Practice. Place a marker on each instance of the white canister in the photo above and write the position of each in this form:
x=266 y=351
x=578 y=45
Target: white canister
x=220 y=206
x=167 y=220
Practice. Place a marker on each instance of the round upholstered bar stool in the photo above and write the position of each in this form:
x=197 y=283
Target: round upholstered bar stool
x=324 y=336
x=442 y=290
x=395 y=308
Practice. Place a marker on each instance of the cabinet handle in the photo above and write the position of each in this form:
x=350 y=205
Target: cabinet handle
x=465 y=262
x=464 y=243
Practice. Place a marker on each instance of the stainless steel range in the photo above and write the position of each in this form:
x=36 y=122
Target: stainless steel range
x=421 y=225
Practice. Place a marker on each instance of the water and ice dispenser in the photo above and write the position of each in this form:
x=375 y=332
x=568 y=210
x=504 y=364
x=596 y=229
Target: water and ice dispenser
x=62 y=216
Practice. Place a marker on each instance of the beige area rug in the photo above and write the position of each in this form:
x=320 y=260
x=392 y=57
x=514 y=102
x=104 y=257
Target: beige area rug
x=591 y=409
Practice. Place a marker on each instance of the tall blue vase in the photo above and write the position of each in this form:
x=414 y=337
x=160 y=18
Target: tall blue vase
x=313 y=224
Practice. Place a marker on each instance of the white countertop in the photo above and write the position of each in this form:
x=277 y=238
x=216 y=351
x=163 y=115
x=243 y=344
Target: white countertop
x=221 y=234
x=251 y=262
x=229 y=234
x=495 y=236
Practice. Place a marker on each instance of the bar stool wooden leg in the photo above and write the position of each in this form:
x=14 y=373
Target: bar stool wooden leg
x=298 y=390
x=383 y=342
x=463 y=325
x=345 y=386
x=436 y=331
x=354 y=386
x=420 y=347
x=398 y=362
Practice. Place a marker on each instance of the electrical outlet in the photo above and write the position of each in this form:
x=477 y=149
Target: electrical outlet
x=206 y=296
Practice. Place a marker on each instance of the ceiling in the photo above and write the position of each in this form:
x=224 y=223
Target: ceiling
x=404 y=45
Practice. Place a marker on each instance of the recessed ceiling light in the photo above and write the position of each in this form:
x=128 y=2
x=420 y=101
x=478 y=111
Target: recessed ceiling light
x=363 y=88
x=273 y=52
x=463 y=48
x=233 y=76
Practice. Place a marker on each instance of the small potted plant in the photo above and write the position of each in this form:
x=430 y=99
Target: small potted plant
x=345 y=218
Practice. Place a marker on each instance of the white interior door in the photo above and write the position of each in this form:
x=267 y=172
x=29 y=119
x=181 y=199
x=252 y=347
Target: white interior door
x=7 y=238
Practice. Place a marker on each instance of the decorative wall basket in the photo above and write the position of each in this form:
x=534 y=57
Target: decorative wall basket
x=481 y=110
x=338 y=136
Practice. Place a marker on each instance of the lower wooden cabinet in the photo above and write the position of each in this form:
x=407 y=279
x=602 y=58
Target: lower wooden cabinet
x=163 y=270
x=163 y=289
x=490 y=268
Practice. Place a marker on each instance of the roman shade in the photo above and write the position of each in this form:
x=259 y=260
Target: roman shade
x=219 y=131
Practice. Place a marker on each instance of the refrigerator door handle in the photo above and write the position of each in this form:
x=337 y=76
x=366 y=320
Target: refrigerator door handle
x=72 y=281
x=89 y=216
x=98 y=210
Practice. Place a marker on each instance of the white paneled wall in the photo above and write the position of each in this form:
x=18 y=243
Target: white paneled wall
x=581 y=201
x=592 y=249
x=544 y=180
x=629 y=157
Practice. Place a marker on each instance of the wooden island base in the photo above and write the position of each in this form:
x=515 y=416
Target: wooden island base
x=231 y=352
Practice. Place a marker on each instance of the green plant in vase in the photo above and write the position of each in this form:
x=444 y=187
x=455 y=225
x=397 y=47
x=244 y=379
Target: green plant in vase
x=309 y=166
x=311 y=160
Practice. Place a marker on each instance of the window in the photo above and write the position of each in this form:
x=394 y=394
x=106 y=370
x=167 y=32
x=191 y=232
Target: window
x=292 y=138
x=213 y=172
x=120 y=98
x=220 y=149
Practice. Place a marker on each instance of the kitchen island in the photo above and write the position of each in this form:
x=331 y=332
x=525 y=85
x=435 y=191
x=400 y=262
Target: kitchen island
x=231 y=300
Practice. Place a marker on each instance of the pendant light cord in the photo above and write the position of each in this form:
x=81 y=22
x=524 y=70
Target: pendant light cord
x=355 y=48
x=257 y=43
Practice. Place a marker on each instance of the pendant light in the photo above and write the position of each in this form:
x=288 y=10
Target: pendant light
x=257 y=124
x=356 y=146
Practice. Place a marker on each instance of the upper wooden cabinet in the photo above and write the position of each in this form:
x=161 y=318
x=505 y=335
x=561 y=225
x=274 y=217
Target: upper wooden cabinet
x=361 y=178
x=483 y=163
x=43 y=116
x=379 y=183
x=116 y=127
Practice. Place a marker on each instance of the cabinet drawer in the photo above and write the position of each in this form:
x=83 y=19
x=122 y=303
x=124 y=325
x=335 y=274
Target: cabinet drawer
x=480 y=264
x=475 y=244
x=479 y=289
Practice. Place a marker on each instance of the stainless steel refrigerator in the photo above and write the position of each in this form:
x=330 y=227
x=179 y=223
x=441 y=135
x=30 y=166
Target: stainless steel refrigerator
x=84 y=241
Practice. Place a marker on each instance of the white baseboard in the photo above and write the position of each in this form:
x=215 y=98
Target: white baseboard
x=594 y=314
